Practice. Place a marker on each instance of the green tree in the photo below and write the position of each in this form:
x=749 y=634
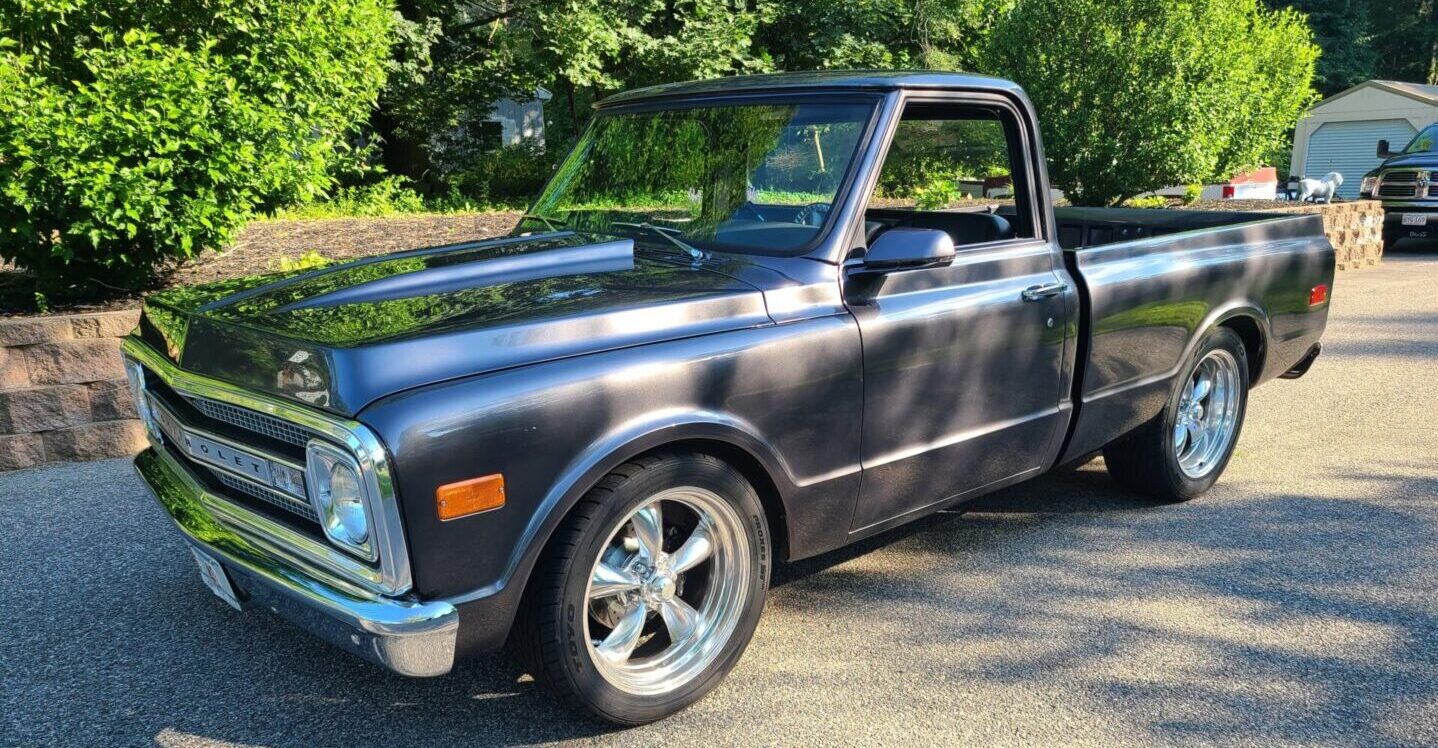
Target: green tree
x=932 y=34
x=1406 y=39
x=135 y=133
x=456 y=59
x=1135 y=95
x=1365 y=39
x=1343 y=30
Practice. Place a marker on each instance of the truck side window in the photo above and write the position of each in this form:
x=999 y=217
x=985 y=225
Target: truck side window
x=952 y=168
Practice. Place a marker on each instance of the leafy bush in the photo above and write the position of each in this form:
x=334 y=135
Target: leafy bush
x=509 y=174
x=132 y=134
x=390 y=196
x=310 y=260
x=1136 y=95
x=940 y=193
x=1147 y=201
x=1192 y=193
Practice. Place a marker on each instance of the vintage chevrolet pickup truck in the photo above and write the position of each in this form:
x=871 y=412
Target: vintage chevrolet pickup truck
x=721 y=339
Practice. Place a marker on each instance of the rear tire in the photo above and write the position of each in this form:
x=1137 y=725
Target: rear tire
x=1182 y=452
x=649 y=591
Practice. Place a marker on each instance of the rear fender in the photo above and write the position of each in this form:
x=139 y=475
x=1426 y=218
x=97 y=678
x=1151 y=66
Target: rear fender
x=1116 y=412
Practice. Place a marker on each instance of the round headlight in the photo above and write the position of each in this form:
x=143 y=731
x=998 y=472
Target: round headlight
x=342 y=504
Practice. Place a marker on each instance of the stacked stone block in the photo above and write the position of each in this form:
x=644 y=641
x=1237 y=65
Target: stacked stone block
x=63 y=395
x=1354 y=228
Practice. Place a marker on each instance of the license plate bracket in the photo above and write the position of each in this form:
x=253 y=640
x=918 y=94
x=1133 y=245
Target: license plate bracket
x=215 y=577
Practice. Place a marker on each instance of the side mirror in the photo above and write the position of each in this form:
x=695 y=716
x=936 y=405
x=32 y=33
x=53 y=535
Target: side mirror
x=1383 y=150
x=904 y=247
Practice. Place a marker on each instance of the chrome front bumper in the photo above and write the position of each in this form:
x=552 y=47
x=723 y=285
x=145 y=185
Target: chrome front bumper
x=405 y=636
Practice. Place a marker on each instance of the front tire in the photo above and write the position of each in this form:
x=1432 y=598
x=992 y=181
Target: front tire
x=649 y=591
x=1181 y=453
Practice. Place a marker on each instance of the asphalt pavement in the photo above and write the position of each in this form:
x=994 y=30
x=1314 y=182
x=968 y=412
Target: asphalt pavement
x=1295 y=604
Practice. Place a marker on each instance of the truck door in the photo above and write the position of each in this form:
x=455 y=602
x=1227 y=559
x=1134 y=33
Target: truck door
x=964 y=364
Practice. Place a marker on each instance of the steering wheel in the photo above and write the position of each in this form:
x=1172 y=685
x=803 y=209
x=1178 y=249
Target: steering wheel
x=812 y=214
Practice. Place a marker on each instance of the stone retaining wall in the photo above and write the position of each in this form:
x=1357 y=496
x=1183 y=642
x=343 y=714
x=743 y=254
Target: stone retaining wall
x=63 y=394
x=1355 y=229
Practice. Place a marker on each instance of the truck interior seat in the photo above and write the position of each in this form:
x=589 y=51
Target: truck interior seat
x=964 y=227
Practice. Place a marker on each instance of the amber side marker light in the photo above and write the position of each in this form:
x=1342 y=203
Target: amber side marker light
x=455 y=500
x=1318 y=295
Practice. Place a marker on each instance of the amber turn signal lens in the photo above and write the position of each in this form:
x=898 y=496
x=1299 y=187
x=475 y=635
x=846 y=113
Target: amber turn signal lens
x=455 y=500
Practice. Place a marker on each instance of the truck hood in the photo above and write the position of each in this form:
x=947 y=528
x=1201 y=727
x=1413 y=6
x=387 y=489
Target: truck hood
x=1427 y=160
x=340 y=337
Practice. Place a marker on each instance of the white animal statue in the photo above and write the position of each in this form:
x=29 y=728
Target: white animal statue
x=1318 y=190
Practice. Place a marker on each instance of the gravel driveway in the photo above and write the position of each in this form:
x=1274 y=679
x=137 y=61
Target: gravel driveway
x=1296 y=604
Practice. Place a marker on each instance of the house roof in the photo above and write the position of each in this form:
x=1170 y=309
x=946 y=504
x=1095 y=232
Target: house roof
x=825 y=80
x=1418 y=91
x=1421 y=91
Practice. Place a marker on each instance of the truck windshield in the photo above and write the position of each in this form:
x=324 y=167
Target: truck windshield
x=1424 y=142
x=750 y=178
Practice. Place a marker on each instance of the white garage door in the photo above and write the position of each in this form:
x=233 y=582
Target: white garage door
x=1348 y=148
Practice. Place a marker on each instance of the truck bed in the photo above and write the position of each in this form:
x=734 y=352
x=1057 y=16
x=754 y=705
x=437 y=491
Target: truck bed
x=1150 y=280
x=1080 y=228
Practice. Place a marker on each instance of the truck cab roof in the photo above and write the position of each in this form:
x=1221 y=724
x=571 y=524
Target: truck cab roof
x=819 y=80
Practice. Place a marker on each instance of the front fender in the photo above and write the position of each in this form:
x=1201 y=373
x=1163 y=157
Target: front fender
x=789 y=396
x=625 y=442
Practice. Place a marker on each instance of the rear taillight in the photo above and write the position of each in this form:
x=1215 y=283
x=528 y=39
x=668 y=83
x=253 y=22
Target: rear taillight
x=1318 y=295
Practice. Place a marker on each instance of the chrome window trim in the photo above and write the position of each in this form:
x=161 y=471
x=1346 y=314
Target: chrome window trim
x=393 y=577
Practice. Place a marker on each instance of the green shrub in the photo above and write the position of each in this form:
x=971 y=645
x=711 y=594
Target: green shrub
x=940 y=193
x=310 y=260
x=1147 y=201
x=1192 y=193
x=390 y=196
x=511 y=174
x=1136 y=95
x=134 y=134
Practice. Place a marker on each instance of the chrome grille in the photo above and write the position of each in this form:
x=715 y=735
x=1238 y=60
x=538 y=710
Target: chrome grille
x=262 y=493
x=249 y=420
x=176 y=430
x=1399 y=184
x=1396 y=190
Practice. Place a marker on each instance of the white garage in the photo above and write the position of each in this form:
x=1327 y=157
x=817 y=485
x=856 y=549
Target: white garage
x=1341 y=133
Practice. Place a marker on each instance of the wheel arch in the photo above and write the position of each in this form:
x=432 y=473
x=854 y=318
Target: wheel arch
x=723 y=437
x=1246 y=325
x=1246 y=320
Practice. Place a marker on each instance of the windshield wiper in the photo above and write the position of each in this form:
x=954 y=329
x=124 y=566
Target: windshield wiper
x=548 y=223
x=694 y=252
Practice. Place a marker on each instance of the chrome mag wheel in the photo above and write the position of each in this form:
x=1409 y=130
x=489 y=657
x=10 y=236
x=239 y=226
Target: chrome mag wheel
x=1207 y=414
x=667 y=591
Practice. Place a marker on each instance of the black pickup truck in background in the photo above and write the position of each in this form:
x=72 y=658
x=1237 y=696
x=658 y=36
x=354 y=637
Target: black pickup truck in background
x=717 y=342
x=1407 y=184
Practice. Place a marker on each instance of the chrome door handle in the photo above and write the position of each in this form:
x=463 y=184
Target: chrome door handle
x=1045 y=290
